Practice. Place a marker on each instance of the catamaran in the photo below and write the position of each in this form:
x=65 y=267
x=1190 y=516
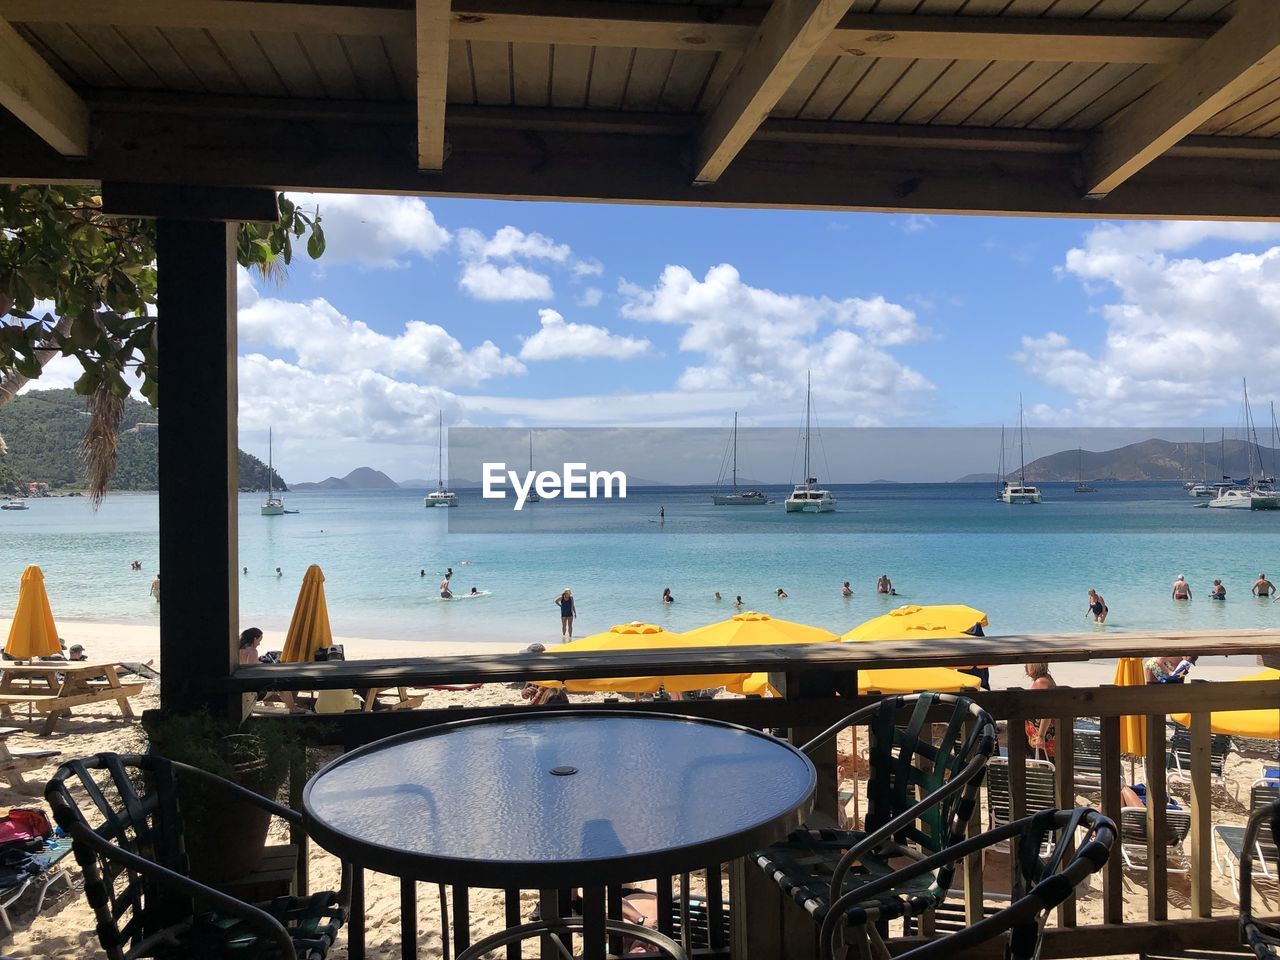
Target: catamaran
x=1255 y=493
x=532 y=495
x=273 y=506
x=1082 y=485
x=440 y=496
x=808 y=497
x=1020 y=492
x=736 y=498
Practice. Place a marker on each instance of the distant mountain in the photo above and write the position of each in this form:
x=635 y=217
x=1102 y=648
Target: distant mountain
x=361 y=478
x=1155 y=460
x=43 y=429
x=977 y=478
x=416 y=484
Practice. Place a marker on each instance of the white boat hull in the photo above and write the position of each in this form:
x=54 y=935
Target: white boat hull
x=15 y=505
x=1233 y=500
x=1020 y=498
x=737 y=500
x=273 y=509
x=811 y=506
x=433 y=500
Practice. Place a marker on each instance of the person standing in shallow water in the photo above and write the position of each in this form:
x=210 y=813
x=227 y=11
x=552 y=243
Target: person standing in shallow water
x=1181 y=589
x=155 y=588
x=568 y=612
x=1097 y=607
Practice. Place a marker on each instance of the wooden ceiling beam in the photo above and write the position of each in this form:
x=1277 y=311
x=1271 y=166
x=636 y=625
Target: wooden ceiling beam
x=656 y=26
x=789 y=36
x=1242 y=56
x=431 y=28
x=36 y=95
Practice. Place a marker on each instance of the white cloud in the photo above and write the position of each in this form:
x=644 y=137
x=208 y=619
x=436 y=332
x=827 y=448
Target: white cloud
x=324 y=339
x=590 y=297
x=914 y=223
x=1181 y=330
x=588 y=268
x=766 y=342
x=485 y=281
x=511 y=243
x=374 y=231
x=560 y=340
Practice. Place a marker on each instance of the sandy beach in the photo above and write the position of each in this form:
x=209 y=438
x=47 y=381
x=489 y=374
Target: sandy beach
x=64 y=927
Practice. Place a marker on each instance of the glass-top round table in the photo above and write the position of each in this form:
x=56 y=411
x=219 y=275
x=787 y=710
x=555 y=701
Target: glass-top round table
x=559 y=799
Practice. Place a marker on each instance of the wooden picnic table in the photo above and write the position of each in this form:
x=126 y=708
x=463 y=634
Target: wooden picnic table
x=53 y=687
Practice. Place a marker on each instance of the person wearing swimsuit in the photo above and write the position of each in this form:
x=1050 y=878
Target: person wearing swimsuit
x=1181 y=589
x=1262 y=587
x=567 y=614
x=1042 y=734
x=1097 y=607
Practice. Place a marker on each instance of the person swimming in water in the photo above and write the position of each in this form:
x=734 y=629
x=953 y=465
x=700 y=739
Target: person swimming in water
x=781 y=594
x=475 y=592
x=846 y=590
x=1219 y=592
x=666 y=595
x=885 y=585
x=718 y=597
x=1262 y=587
x=737 y=601
x=1181 y=589
x=1097 y=607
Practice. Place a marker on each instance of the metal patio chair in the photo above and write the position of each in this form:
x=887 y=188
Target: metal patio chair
x=1260 y=936
x=920 y=796
x=136 y=878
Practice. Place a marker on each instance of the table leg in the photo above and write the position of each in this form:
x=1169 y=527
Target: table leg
x=593 y=928
x=355 y=924
x=113 y=679
x=548 y=907
x=408 y=920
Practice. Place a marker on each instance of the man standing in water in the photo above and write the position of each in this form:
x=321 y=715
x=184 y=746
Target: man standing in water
x=1181 y=589
x=155 y=588
x=885 y=585
x=1262 y=587
x=445 y=592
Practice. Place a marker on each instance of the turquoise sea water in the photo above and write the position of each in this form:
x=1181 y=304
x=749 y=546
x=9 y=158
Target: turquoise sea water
x=1028 y=567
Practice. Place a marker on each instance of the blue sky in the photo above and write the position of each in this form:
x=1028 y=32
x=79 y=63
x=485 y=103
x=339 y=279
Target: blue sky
x=524 y=314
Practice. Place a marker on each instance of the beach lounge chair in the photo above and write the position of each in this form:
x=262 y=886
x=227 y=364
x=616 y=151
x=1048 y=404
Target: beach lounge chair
x=813 y=865
x=135 y=869
x=1133 y=838
x=1087 y=741
x=1230 y=838
x=1261 y=936
x=1177 y=758
x=46 y=871
x=1040 y=790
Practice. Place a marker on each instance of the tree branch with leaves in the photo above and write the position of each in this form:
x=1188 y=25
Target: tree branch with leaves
x=99 y=273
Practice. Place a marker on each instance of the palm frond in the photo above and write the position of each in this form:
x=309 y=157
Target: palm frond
x=100 y=445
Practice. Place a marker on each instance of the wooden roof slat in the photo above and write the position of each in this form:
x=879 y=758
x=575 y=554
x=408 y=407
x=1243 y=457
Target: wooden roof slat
x=959 y=74
x=978 y=91
x=531 y=69
x=108 y=44
x=400 y=54
x=609 y=73
x=284 y=50
x=921 y=76
x=48 y=56
x=1106 y=106
x=1267 y=130
x=492 y=65
x=205 y=60
x=1114 y=9
x=689 y=73
x=1013 y=93
x=1256 y=124
x=1087 y=92
x=1157 y=9
x=252 y=65
x=841 y=81
x=1202 y=10
x=648 y=76
x=570 y=72
x=723 y=70
x=1238 y=119
x=156 y=50
x=803 y=87
x=462 y=88
x=1242 y=55
x=878 y=80
x=1061 y=85
x=79 y=57
x=329 y=60
x=368 y=58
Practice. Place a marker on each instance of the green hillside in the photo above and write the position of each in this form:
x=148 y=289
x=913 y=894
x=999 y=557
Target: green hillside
x=43 y=429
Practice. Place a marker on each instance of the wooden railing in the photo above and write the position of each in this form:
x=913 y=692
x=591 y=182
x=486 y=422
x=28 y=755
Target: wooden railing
x=817 y=683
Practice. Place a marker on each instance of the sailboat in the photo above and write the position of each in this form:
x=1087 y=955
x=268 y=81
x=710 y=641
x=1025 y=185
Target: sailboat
x=273 y=506
x=747 y=498
x=440 y=497
x=1020 y=492
x=808 y=497
x=1202 y=489
x=532 y=495
x=1081 y=485
x=1254 y=493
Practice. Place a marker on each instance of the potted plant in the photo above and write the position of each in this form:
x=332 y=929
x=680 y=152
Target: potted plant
x=225 y=835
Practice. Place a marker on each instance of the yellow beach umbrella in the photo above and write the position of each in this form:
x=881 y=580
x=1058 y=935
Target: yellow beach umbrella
x=636 y=636
x=32 y=633
x=1257 y=724
x=1133 y=730
x=309 y=629
x=912 y=622
x=752 y=629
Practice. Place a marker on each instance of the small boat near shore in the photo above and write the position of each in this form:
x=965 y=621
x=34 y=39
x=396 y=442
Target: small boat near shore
x=1020 y=492
x=1255 y=493
x=442 y=496
x=14 y=504
x=273 y=506
x=808 y=497
x=736 y=497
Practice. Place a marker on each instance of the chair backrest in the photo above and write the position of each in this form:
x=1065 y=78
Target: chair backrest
x=1178 y=755
x=1263 y=793
x=1040 y=790
x=132 y=805
x=1133 y=825
x=1087 y=744
x=907 y=763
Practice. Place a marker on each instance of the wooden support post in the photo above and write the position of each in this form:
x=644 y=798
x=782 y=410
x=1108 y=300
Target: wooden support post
x=1201 y=809
x=973 y=886
x=1017 y=748
x=431 y=28
x=33 y=92
x=1065 y=795
x=1157 y=822
x=199 y=616
x=1113 y=872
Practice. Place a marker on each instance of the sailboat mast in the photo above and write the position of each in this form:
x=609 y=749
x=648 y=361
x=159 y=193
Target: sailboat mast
x=1022 y=449
x=1222 y=453
x=808 y=396
x=1250 y=436
x=1204 y=458
x=531 y=451
x=735 y=451
x=270 y=468
x=440 y=449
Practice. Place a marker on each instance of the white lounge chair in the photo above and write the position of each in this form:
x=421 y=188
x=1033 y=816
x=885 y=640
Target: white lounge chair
x=1133 y=838
x=1230 y=837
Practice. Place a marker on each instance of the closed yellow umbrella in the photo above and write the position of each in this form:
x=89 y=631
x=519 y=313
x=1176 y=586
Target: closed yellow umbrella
x=1133 y=730
x=32 y=633
x=309 y=629
x=1256 y=724
x=636 y=636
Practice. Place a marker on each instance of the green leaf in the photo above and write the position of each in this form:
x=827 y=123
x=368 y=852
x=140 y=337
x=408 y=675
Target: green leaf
x=87 y=383
x=315 y=243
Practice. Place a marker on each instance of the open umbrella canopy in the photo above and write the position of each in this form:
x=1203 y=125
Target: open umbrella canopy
x=637 y=636
x=32 y=633
x=914 y=622
x=1257 y=724
x=1133 y=730
x=309 y=629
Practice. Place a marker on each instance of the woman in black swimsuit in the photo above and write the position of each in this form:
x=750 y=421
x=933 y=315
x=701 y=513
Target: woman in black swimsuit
x=1097 y=607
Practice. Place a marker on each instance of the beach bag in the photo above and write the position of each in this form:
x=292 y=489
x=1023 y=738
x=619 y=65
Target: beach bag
x=24 y=829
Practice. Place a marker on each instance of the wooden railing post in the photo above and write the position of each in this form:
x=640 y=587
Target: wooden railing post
x=1201 y=809
x=1016 y=735
x=1157 y=821
x=1113 y=872
x=973 y=886
x=1065 y=797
